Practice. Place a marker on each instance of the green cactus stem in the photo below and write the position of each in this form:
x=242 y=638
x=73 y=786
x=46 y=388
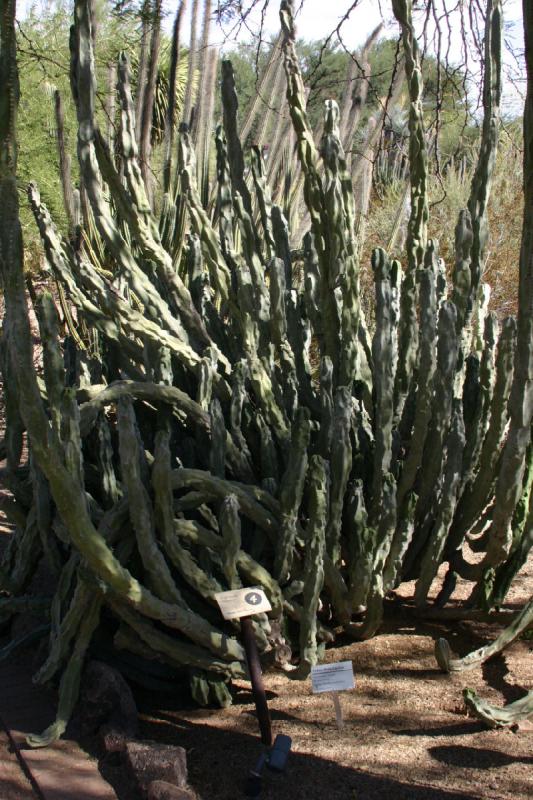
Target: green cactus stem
x=292 y=486
x=69 y=685
x=314 y=556
x=477 y=657
x=512 y=463
x=496 y=717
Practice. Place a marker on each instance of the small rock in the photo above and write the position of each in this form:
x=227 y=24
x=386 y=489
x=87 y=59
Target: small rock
x=161 y=790
x=112 y=740
x=148 y=762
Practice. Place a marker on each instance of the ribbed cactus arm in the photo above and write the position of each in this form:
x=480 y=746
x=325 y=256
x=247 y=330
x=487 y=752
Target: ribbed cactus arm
x=314 y=560
x=512 y=467
x=383 y=378
x=128 y=143
x=343 y=255
x=427 y=365
x=230 y=106
x=496 y=717
x=443 y=652
x=307 y=150
x=417 y=227
x=482 y=180
x=476 y=492
x=90 y=146
x=292 y=487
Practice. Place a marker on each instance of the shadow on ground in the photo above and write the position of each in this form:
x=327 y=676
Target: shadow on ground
x=476 y=757
x=219 y=762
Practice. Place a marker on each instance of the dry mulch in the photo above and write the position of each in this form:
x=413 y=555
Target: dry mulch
x=406 y=734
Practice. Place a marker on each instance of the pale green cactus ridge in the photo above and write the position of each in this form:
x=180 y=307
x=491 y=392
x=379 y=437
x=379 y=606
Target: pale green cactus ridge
x=426 y=367
x=496 y=717
x=280 y=229
x=449 y=664
x=70 y=679
x=482 y=180
x=402 y=539
x=313 y=191
x=476 y=493
x=230 y=528
x=262 y=192
x=340 y=466
x=141 y=513
x=417 y=225
x=291 y=493
x=219 y=436
x=268 y=454
x=42 y=503
x=462 y=278
x=326 y=406
x=523 y=542
x=235 y=155
x=53 y=367
x=444 y=511
x=344 y=266
x=447 y=347
x=300 y=340
x=315 y=545
x=382 y=543
x=361 y=546
x=224 y=194
x=383 y=375
x=477 y=429
x=161 y=480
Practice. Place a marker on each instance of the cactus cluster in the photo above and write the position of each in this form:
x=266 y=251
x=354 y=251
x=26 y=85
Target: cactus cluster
x=226 y=417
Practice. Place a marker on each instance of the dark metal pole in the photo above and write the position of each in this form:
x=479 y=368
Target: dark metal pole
x=256 y=676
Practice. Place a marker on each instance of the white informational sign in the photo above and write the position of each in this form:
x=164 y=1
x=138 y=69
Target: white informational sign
x=332 y=677
x=242 y=602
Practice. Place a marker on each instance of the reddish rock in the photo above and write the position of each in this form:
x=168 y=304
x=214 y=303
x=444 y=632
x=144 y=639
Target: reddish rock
x=112 y=740
x=161 y=790
x=148 y=762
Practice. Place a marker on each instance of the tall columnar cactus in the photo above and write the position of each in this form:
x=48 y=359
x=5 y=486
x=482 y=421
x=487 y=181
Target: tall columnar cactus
x=521 y=400
x=238 y=425
x=417 y=226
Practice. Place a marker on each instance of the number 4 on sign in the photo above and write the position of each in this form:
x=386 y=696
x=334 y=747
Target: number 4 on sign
x=333 y=678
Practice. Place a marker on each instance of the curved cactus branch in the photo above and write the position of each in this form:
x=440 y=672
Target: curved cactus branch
x=496 y=717
x=448 y=664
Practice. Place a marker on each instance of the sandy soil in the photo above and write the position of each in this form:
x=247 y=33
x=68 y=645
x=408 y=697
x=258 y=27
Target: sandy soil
x=406 y=734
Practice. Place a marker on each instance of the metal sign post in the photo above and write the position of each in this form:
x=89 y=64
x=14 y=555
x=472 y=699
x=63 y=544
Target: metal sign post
x=243 y=604
x=256 y=677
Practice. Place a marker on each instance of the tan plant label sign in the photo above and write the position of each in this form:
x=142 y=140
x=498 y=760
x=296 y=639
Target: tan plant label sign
x=242 y=602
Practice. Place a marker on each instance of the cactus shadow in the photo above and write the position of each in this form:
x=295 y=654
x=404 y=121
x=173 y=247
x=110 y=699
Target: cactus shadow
x=219 y=761
x=476 y=757
x=276 y=714
x=245 y=696
x=467 y=728
x=494 y=673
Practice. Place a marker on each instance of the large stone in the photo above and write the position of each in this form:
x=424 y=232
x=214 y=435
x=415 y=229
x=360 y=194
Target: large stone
x=106 y=700
x=161 y=790
x=146 y=762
